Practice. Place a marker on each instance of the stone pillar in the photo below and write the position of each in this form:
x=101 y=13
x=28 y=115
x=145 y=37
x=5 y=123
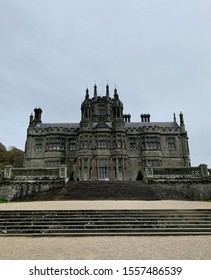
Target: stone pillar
x=148 y=173
x=63 y=172
x=8 y=172
x=204 y=171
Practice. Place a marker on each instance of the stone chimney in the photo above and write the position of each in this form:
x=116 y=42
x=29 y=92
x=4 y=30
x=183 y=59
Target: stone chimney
x=145 y=117
x=37 y=115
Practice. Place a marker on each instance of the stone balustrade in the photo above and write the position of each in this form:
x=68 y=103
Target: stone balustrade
x=162 y=174
x=25 y=174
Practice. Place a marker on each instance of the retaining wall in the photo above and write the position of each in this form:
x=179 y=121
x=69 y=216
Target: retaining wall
x=14 y=190
x=182 y=191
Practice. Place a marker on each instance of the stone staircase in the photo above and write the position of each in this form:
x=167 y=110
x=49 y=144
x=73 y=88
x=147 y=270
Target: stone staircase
x=105 y=222
x=98 y=190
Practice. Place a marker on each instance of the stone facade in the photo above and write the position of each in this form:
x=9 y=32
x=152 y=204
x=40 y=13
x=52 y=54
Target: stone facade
x=106 y=144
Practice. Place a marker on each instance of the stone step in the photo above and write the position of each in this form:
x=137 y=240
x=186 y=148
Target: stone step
x=105 y=222
x=124 y=190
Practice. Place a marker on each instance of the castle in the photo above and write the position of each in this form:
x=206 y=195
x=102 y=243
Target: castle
x=106 y=144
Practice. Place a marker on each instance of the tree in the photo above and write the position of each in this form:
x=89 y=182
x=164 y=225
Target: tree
x=3 y=156
x=16 y=157
x=12 y=157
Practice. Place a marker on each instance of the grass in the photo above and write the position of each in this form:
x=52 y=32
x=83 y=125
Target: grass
x=207 y=199
x=2 y=200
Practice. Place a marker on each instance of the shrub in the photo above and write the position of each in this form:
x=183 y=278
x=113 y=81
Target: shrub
x=2 y=200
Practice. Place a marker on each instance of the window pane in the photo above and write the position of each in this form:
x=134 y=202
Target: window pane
x=38 y=147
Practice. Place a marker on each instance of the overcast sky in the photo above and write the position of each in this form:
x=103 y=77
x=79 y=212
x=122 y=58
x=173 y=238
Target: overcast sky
x=157 y=52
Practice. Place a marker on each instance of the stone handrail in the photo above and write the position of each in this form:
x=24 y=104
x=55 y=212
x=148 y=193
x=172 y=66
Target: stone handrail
x=177 y=173
x=35 y=173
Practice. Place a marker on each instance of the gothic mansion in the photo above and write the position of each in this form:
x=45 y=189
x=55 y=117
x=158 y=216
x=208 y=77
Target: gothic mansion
x=106 y=144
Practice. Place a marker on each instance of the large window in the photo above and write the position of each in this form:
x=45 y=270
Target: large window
x=38 y=144
x=72 y=144
x=151 y=143
x=133 y=144
x=102 y=109
x=171 y=143
x=38 y=147
x=102 y=142
x=102 y=169
x=55 y=144
x=85 y=141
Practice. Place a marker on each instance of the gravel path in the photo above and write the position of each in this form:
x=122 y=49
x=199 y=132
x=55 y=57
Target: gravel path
x=105 y=204
x=116 y=247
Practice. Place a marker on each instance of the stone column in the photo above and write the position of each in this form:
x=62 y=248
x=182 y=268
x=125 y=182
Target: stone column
x=94 y=169
x=88 y=168
x=117 y=169
x=97 y=169
x=123 y=169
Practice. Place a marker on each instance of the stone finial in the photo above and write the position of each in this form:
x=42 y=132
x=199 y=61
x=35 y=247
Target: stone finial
x=107 y=89
x=175 y=120
x=95 y=89
x=31 y=119
x=87 y=93
x=116 y=96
